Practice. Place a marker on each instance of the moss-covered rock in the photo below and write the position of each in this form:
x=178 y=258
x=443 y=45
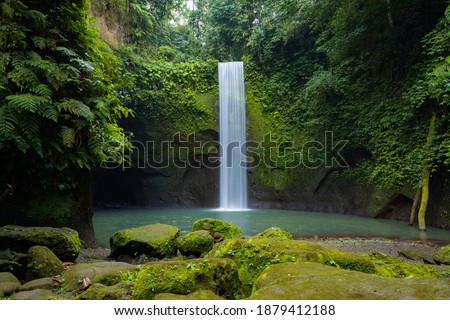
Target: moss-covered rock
x=42 y=262
x=197 y=295
x=98 y=291
x=108 y=273
x=311 y=281
x=185 y=277
x=416 y=255
x=276 y=233
x=389 y=266
x=36 y=294
x=195 y=243
x=64 y=242
x=255 y=255
x=42 y=283
x=442 y=256
x=8 y=284
x=155 y=240
x=219 y=229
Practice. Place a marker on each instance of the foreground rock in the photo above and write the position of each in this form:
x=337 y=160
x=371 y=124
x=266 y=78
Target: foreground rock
x=36 y=294
x=98 y=291
x=107 y=273
x=186 y=277
x=155 y=240
x=64 y=242
x=442 y=256
x=42 y=262
x=8 y=284
x=197 y=295
x=255 y=255
x=311 y=281
x=276 y=233
x=195 y=243
x=219 y=230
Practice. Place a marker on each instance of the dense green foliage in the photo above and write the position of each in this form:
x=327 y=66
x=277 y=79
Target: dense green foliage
x=58 y=104
x=375 y=73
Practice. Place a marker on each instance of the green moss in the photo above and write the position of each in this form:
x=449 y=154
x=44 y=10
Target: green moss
x=226 y=229
x=389 y=266
x=42 y=262
x=185 y=277
x=195 y=243
x=197 y=295
x=311 y=281
x=107 y=273
x=64 y=242
x=156 y=240
x=415 y=255
x=274 y=233
x=442 y=256
x=352 y=261
x=98 y=291
x=255 y=255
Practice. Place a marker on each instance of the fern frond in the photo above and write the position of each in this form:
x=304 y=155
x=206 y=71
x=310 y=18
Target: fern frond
x=7 y=124
x=67 y=52
x=35 y=60
x=23 y=77
x=50 y=112
x=68 y=136
x=42 y=90
x=77 y=108
x=26 y=101
x=83 y=64
x=40 y=42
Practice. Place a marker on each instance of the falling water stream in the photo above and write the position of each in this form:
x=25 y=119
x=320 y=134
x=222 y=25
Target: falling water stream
x=233 y=174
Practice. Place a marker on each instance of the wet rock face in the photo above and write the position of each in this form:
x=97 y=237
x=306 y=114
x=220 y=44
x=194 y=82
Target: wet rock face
x=8 y=284
x=155 y=241
x=64 y=242
x=310 y=281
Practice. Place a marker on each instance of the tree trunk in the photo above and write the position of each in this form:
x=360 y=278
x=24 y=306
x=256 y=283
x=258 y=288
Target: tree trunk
x=426 y=176
x=414 y=207
x=424 y=201
x=82 y=212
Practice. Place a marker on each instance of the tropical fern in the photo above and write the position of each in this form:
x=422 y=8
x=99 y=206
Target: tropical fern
x=26 y=101
x=68 y=136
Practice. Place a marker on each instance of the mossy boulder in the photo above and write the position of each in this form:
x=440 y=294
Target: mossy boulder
x=311 y=281
x=219 y=229
x=42 y=262
x=416 y=255
x=186 y=277
x=36 y=294
x=155 y=240
x=64 y=242
x=389 y=266
x=42 y=283
x=8 y=283
x=108 y=273
x=255 y=255
x=98 y=291
x=442 y=256
x=276 y=233
x=197 y=295
x=195 y=243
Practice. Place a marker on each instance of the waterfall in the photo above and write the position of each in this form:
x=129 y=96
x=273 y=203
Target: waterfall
x=233 y=174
